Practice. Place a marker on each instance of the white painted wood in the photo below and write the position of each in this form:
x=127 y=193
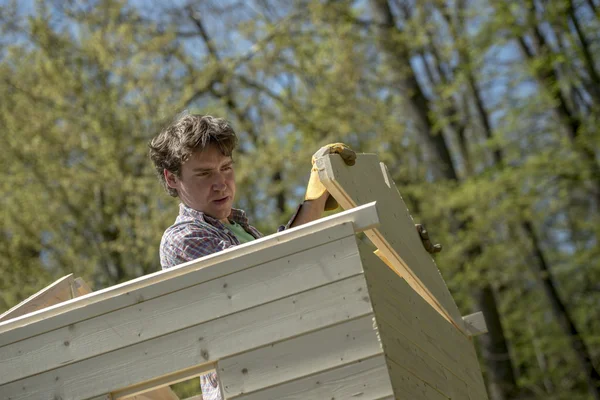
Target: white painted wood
x=396 y=237
x=475 y=324
x=365 y=379
x=55 y=293
x=136 y=291
x=190 y=306
x=299 y=357
x=208 y=342
x=395 y=303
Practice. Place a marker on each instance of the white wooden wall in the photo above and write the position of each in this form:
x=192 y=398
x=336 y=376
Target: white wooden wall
x=288 y=316
x=309 y=313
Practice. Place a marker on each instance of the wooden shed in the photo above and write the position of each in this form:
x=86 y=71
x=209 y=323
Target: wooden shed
x=308 y=313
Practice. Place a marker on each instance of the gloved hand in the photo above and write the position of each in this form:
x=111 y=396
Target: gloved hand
x=315 y=188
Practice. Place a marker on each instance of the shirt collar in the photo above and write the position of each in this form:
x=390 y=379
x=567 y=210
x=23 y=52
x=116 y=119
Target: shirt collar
x=236 y=215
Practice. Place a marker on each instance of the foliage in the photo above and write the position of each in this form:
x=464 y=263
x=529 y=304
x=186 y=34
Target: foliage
x=508 y=89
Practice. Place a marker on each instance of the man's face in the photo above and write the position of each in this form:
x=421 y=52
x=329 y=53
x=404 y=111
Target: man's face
x=207 y=182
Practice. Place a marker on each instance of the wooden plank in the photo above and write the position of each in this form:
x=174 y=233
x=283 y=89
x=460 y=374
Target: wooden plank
x=80 y=287
x=129 y=293
x=395 y=303
x=396 y=237
x=298 y=357
x=402 y=351
x=408 y=386
x=208 y=342
x=177 y=310
x=365 y=379
x=164 y=393
x=162 y=381
x=475 y=324
x=54 y=293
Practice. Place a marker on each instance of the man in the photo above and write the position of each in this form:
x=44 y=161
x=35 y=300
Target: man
x=193 y=160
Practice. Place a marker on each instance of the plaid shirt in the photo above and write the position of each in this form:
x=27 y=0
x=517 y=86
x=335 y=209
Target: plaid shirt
x=195 y=234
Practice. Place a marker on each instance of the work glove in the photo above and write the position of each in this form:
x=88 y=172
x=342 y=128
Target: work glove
x=315 y=188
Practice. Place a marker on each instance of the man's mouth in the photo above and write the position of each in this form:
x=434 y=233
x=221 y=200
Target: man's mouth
x=222 y=200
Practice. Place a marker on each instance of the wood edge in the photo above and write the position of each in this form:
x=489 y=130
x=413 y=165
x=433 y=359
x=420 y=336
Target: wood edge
x=475 y=324
x=162 y=381
x=7 y=315
x=395 y=262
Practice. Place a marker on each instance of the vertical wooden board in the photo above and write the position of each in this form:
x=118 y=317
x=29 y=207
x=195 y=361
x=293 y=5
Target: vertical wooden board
x=396 y=237
x=193 y=305
x=206 y=343
x=365 y=379
x=299 y=357
x=55 y=293
x=395 y=303
x=409 y=387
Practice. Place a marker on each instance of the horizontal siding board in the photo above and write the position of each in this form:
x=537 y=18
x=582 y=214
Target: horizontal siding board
x=299 y=357
x=395 y=303
x=159 y=283
x=365 y=379
x=396 y=237
x=208 y=342
x=177 y=310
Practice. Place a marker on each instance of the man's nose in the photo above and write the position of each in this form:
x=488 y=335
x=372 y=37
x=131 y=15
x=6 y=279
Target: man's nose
x=219 y=182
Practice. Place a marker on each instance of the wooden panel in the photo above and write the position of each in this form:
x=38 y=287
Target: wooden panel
x=396 y=304
x=402 y=351
x=55 y=293
x=136 y=291
x=80 y=287
x=408 y=386
x=207 y=342
x=365 y=379
x=164 y=393
x=396 y=237
x=191 y=306
x=299 y=357
x=231 y=260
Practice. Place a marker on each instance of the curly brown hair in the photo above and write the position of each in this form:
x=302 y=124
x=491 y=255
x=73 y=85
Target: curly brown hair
x=174 y=145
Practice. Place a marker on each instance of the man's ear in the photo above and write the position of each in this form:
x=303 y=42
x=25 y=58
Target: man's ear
x=170 y=178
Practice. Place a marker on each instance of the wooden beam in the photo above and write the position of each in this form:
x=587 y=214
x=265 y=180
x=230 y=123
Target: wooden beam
x=157 y=384
x=396 y=237
x=475 y=324
x=80 y=287
x=230 y=260
x=55 y=293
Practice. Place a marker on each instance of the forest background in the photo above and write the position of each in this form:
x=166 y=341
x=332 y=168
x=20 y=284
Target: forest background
x=487 y=114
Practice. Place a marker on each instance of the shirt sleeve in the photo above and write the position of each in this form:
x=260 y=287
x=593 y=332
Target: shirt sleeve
x=190 y=244
x=291 y=220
